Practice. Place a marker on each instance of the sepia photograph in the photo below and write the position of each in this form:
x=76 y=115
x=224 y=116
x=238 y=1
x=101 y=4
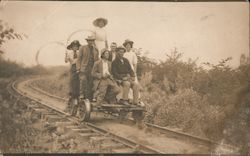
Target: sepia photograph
x=124 y=77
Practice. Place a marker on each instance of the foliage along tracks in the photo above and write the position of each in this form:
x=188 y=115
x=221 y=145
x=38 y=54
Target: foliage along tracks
x=113 y=142
x=133 y=146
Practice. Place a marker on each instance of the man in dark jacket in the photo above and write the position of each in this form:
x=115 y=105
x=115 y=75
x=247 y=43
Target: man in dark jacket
x=125 y=76
x=88 y=54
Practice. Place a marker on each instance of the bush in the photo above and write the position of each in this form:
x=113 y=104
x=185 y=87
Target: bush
x=12 y=69
x=181 y=94
x=196 y=100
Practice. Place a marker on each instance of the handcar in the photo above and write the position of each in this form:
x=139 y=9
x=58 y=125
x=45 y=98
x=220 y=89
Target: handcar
x=84 y=108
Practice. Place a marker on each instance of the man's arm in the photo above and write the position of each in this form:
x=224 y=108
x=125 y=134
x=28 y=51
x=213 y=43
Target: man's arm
x=96 y=53
x=131 y=72
x=66 y=58
x=135 y=62
x=95 y=72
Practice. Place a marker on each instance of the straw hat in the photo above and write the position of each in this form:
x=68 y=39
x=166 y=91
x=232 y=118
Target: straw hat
x=128 y=41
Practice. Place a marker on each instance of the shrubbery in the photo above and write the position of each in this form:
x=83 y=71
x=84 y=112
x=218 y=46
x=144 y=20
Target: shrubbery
x=183 y=95
x=10 y=68
x=202 y=100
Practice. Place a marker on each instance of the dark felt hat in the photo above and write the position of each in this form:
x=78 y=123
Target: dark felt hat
x=74 y=43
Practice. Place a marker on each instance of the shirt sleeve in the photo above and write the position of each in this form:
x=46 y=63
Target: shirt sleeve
x=70 y=58
x=134 y=59
x=66 y=57
x=106 y=35
x=131 y=71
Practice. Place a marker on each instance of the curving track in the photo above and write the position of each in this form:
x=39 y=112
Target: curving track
x=119 y=137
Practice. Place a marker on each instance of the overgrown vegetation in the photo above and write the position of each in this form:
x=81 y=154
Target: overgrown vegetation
x=17 y=133
x=206 y=100
x=23 y=131
x=12 y=69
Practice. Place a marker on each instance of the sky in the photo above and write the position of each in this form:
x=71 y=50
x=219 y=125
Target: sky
x=210 y=31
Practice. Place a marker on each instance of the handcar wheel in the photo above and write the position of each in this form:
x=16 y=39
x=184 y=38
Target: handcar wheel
x=84 y=110
x=138 y=115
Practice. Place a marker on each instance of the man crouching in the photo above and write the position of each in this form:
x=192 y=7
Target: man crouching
x=105 y=87
x=125 y=76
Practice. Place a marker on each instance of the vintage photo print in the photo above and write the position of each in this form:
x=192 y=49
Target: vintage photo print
x=124 y=77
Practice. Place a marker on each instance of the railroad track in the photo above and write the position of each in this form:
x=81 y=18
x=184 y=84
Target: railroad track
x=111 y=141
x=124 y=144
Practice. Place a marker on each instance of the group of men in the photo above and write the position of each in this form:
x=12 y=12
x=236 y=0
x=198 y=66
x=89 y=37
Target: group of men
x=103 y=77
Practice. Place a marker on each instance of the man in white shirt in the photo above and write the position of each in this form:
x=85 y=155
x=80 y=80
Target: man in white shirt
x=112 y=52
x=105 y=87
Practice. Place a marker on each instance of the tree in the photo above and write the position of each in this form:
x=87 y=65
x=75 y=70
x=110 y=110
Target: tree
x=7 y=33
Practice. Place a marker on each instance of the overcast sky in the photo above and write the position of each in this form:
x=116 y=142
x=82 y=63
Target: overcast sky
x=209 y=31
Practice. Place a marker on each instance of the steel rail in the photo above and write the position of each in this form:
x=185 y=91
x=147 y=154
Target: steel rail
x=127 y=142
x=178 y=134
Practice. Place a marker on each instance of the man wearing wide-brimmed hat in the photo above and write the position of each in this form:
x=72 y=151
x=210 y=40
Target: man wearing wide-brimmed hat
x=71 y=57
x=105 y=87
x=124 y=74
x=100 y=33
x=88 y=54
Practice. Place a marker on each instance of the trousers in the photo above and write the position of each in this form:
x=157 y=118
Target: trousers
x=74 y=82
x=126 y=85
x=86 y=84
x=106 y=90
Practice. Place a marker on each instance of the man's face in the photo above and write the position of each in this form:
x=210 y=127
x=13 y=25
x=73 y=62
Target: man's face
x=106 y=55
x=120 y=53
x=113 y=47
x=91 y=42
